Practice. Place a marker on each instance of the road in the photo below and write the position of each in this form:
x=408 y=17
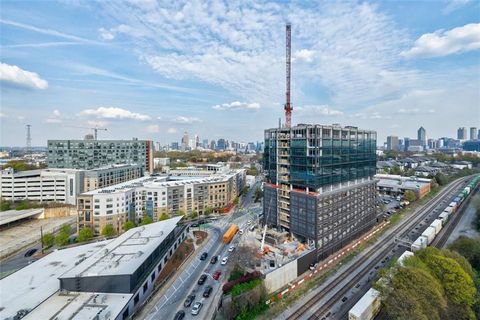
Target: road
x=18 y=260
x=186 y=282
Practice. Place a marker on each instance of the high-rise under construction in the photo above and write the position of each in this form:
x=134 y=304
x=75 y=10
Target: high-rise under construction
x=319 y=183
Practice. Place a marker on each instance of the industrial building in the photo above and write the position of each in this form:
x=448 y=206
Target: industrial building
x=91 y=154
x=104 y=280
x=156 y=195
x=397 y=185
x=319 y=183
x=62 y=185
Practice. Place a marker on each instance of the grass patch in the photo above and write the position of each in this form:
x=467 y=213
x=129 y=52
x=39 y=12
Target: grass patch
x=235 y=275
x=256 y=311
x=240 y=288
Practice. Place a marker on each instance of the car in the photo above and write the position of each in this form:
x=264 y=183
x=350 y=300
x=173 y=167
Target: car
x=344 y=299
x=312 y=266
x=214 y=260
x=216 y=275
x=231 y=248
x=202 y=279
x=188 y=302
x=249 y=222
x=224 y=260
x=252 y=227
x=179 y=315
x=204 y=256
x=241 y=231
x=30 y=252
x=207 y=291
x=196 y=308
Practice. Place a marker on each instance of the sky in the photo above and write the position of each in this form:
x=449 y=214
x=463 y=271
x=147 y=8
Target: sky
x=154 y=70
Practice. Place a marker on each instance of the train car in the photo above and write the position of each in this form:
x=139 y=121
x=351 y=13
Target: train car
x=437 y=225
x=420 y=243
x=444 y=216
x=449 y=210
x=453 y=205
x=429 y=233
x=404 y=255
x=367 y=307
x=467 y=190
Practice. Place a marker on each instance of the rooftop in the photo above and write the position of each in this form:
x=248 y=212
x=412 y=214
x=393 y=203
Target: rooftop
x=30 y=286
x=125 y=254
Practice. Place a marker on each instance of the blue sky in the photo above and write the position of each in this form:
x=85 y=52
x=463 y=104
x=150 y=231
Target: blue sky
x=153 y=70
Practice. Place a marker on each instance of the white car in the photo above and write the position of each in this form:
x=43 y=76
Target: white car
x=224 y=260
x=196 y=308
x=231 y=249
x=241 y=231
x=249 y=222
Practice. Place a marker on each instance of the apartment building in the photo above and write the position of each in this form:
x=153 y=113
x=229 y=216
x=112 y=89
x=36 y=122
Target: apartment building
x=319 y=183
x=111 y=175
x=92 y=154
x=155 y=195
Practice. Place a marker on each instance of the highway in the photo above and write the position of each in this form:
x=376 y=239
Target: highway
x=337 y=295
x=186 y=281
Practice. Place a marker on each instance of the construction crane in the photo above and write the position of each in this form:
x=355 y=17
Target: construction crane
x=288 y=105
x=95 y=130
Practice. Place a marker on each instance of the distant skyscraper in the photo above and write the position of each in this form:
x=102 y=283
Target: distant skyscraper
x=213 y=145
x=422 y=136
x=197 y=141
x=221 y=144
x=185 y=141
x=462 y=133
x=205 y=143
x=174 y=146
x=432 y=144
x=392 y=143
x=473 y=133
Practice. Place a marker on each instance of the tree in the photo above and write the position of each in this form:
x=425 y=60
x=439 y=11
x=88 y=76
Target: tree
x=108 y=231
x=469 y=248
x=244 y=189
x=208 y=211
x=146 y=220
x=258 y=194
x=441 y=179
x=5 y=205
x=67 y=229
x=61 y=239
x=396 y=170
x=235 y=201
x=410 y=196
x=164 y=216
x=194 y=214
x=85 y=234
x=128 y=225
x=180 y=212
x=48 y=240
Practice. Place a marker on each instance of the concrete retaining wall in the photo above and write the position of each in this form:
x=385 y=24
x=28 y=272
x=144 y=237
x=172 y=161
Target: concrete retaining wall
x=276 y=279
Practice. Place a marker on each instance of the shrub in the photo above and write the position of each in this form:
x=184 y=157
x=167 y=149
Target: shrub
x=247 y=277
x=85 y=234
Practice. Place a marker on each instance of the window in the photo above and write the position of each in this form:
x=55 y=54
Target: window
x=153 y=276
x=159 y=267
x=145 y=287
x=125 y=314
x=135 y=300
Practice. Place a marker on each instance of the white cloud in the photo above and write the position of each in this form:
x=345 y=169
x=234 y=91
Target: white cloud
x=56 y=113
x=106 y=34
x=114 y=113
x=18 y=76
x=415 y=111
x=442 y=43
x=237 y=105
x=454 y=5
x=304 y=55
x=56 y=117
x=186 y=120
x=20 y=118
x=3 y=115
x=97 y=123
x=154 y=128
x=315 y=110
x=172 y=130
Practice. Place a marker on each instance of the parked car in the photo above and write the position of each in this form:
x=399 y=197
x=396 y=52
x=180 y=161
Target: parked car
x=196 y=308
x=214 y=260
x=217 y=274
x=204 y=256
x=179 y=315
x=202 y=279
x=241 y=231
x=231 y=248
x=188 y=302
x=224 y=260
x=30 y=252
x=207 y=291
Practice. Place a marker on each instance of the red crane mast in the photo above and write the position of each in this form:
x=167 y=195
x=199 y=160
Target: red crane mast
x=288 y=106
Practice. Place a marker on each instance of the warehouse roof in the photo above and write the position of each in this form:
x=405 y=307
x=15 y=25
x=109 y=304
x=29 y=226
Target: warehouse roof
x=28 y=287
x=125 y=254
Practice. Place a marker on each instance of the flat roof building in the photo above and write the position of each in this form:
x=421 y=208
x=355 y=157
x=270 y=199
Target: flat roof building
x=397 y=185
x=92 y=154
x=319 y=183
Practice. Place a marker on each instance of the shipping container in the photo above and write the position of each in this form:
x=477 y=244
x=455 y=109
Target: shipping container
x=429 y=233
x=404 y=255
x=453 y=205
x=448 y=209
x=437 y=225
x=467 y=190
x=367 y=307
x=228 y=236
x=444 y=217
x=420 y=243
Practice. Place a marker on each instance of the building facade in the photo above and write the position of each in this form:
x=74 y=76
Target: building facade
x=319 y=183
x=392 y=143
x=473 y=133
x=43 y=185
x=111 y=175
x=92 y=154
x=422 y=136
x=154 y=196
x=462 y=133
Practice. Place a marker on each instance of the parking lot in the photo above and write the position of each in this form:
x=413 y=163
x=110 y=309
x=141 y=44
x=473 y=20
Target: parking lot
x=391 y=203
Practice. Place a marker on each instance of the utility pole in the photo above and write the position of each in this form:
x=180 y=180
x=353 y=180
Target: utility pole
x=41 y=237
x=29 y=140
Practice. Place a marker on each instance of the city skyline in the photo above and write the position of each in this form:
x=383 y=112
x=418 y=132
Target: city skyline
x=154 y=71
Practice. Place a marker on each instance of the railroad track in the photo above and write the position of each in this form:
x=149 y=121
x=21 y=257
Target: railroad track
x=440 y=241
x=377 y=251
